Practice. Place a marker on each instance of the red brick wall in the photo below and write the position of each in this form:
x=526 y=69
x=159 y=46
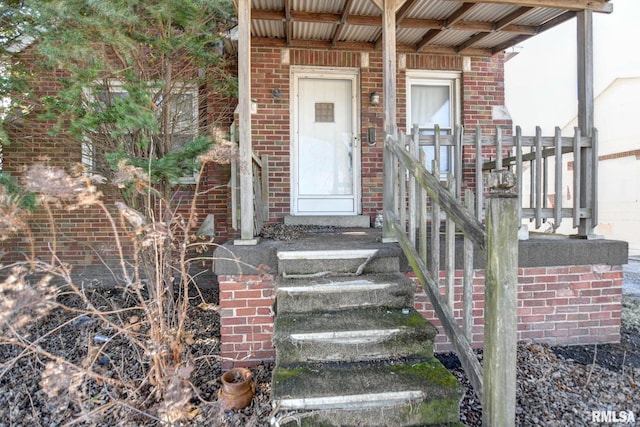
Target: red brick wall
x=83 y=236
x=482 y=88
x=246 y=319
x=556 y=306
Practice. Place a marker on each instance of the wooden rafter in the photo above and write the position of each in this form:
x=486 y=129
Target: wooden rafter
x=405 y=10
x=542 y=28
x=453 y=19
x=376 y=21
x=508 y=24
x=498 y=26
x=288 y=22
x=430 y=35
x=575 y=5
x=507 y=20
x=458 y=14
x=342 y=23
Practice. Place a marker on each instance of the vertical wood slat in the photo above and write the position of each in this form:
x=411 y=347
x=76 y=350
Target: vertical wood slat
x=436 y=149
x=557 y=205
x=467 y=279
x=594 y=174
x=498 y=148
x=402 y=181
x=577 y=143
x=538 y=185
x=457 y=158
x=545 y=182
x=450 y=253
x=479 y=180
x=435 y=231
x=532 y=181
x=519 y=169
x=414 y=148
x=423 y=214
x=264 y=162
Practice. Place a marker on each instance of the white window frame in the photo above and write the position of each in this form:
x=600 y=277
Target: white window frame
x=88 y=150
x=437 y=78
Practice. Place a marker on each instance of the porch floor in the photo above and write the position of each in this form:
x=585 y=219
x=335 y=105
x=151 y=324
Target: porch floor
x=541 y=250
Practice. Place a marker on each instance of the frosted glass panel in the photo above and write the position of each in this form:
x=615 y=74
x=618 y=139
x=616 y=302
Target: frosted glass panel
x=430 y=105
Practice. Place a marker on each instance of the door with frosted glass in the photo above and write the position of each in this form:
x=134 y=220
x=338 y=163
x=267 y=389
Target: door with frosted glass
x=325 y=150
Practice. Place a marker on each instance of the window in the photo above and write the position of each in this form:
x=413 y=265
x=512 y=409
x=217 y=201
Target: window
x=433 y=100
x=182 y=128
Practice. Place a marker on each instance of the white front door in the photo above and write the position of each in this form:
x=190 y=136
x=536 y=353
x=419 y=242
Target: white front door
x=325 y=149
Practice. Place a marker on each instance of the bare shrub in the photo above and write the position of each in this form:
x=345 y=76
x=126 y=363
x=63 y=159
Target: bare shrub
x=147 y=318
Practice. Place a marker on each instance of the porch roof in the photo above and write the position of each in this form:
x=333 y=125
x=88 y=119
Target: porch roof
x=471 y=27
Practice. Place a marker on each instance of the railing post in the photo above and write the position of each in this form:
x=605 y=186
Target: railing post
x=501 y=302
x=388 y=185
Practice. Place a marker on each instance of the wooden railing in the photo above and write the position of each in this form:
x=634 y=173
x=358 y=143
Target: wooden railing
x=548 y=194
x=416 y=206
x=260 y=173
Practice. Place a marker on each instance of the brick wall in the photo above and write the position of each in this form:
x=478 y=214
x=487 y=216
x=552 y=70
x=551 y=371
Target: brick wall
x=246 y=319
x=84 y=236
x=556 y=306
x=482 y=89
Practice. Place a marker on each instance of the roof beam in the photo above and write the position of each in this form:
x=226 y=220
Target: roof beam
x=376 y=21
x=471 y=41
x=342 y=23
x=288 y=23
x=404 y=11
x=593 y=5
x=429 y=35
x=365 y=47
x=507 y=20
x=498 y=26
x=540 y=29
x=458 y=14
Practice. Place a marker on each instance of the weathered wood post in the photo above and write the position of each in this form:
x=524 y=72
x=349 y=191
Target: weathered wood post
x=501 y=302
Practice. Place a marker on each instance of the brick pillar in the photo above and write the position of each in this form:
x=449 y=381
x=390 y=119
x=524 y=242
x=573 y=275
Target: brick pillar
x=246 y=319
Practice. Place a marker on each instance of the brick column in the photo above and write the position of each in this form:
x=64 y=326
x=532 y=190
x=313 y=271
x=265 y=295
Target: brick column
x=246 y=319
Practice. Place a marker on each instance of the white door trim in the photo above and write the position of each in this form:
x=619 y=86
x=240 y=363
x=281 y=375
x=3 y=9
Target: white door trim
x=353 y=74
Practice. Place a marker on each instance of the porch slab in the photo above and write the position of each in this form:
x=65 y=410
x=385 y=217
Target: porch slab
x=348 y=221
x=538 y=251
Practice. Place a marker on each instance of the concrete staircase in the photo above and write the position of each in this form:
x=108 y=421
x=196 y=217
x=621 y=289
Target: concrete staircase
x=350 y=348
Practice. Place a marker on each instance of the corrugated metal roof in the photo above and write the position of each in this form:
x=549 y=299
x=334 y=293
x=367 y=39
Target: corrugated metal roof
x=461 y=27
x=489 y=12
x=328 y=6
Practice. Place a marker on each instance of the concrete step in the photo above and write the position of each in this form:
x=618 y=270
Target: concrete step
x=356 y=335
x=417 y=394
x=338 y=293
x=350 y=221
x=318 y=263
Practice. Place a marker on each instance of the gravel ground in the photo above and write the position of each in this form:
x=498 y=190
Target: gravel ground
x=556 y=386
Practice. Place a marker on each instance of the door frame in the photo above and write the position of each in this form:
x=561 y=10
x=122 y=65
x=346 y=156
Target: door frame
x=330 y=73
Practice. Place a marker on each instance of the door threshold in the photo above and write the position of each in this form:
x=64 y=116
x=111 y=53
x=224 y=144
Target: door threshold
x=343 y=221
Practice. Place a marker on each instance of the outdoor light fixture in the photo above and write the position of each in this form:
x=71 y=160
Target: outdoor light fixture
x=374 y=97
x=276 y=93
